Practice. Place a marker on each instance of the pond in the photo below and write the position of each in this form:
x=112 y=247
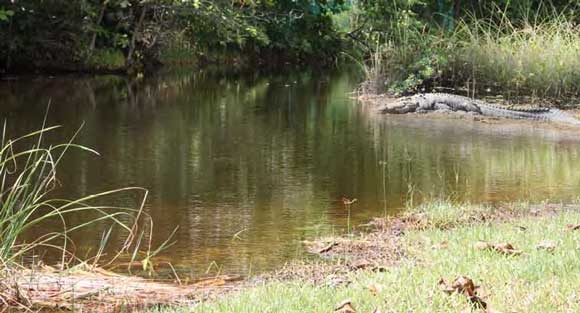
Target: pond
x=248 y=166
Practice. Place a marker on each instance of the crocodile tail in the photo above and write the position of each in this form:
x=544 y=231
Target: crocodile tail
x=533 y=110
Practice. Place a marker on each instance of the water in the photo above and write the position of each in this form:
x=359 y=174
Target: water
x=248 y=166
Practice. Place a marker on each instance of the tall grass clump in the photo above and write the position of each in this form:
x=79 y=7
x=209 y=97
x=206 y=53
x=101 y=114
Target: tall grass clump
x=28 y=174
x=539 y=56
x=531 y=54
x=409 y=57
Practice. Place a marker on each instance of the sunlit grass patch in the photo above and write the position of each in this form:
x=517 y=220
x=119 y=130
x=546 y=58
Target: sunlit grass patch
x=443 y=214
x=535 y=281
x=538 y=58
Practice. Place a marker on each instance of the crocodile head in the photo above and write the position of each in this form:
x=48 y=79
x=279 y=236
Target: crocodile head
x=400 y=106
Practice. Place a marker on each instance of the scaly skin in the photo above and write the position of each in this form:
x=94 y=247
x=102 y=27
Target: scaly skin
x=447 y=102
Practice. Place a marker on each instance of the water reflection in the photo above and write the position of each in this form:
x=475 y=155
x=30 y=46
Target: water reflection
x=249 y=165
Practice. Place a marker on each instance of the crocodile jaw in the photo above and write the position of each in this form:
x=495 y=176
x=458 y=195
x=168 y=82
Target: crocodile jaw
x=400 y=107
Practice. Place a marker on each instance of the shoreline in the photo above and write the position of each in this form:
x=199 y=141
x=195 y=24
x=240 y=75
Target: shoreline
x=375 y=249
x=441 y=248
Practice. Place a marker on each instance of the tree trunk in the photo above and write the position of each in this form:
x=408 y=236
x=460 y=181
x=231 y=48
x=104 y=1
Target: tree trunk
x=95 y=32
x=133 y=42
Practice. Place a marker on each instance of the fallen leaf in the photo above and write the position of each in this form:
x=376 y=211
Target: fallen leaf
x=506 y=248
x=573 y=227
x=345 y=307
x=547 y=245
x=503 y=248
x=465 y=286
x=328 y=247
x=522 y=228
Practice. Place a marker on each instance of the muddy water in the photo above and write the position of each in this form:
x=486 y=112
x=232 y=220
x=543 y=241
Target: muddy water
x=247 y=166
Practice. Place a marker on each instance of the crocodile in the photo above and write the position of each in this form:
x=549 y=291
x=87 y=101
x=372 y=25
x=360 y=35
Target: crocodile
x=426 y=102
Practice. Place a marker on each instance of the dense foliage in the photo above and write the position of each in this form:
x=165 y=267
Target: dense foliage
x=413 y=42
x=109 y=34
x=530 y=44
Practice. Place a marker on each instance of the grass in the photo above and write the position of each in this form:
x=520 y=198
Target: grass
x=536 y=281
x=28 y=174
x=537 y=57
x=540 y=57
x=107 y=59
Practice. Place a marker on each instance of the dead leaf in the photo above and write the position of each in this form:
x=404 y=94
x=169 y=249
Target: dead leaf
x=547 y=245
x=345 y=307
x=328 y=247
x=377 y=310
x=573 y=227
x=503 y=248
x=522 y=228
x=465 y=286
x=506 y=249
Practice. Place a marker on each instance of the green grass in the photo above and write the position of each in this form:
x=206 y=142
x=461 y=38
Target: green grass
x=28 y=174
x=107 y=59
x=537 y=57
x=540 y=57
x=537 y=281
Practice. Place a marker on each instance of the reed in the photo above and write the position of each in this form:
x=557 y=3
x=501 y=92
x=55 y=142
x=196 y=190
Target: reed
x=539 y=56
x=28 y=175
x=535 y=56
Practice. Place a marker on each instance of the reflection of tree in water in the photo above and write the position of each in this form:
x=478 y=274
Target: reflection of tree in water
x=271 y=155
